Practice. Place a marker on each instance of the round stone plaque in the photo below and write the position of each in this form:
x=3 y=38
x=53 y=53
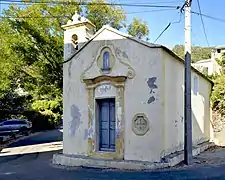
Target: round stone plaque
x=140 y=124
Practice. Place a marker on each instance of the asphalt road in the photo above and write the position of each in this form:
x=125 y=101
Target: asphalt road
x=37 y=166
x=41 y=138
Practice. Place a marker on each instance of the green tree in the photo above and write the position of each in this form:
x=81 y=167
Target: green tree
x=138 y=28
x=32 y=49
x=218 y=94
x=218 y=97
x=8 y=59
x=105 y=15
x=197 y=52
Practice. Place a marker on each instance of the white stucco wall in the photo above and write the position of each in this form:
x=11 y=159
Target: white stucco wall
x=174 y=107
x=147 y=64
x=75 y=98
x=158 y=79
x=212 y=65
x=202 y=65
x=75 y=112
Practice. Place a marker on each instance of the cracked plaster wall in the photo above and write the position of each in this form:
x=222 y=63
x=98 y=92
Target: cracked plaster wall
x=75 y=96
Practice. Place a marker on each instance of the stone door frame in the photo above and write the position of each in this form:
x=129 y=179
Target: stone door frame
x=118 y=82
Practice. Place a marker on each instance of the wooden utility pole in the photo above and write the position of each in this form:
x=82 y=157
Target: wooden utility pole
x=187 y=87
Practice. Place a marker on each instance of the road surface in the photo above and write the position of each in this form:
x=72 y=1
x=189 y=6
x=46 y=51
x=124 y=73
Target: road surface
x=30 y=159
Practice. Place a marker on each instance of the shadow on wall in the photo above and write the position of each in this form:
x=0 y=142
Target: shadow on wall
x=200 y=129
x=200 y=121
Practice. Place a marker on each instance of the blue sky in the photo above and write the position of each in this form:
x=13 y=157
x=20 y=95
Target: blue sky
x=157 y=21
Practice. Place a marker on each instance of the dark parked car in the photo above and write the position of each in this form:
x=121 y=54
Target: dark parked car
x=15 y=125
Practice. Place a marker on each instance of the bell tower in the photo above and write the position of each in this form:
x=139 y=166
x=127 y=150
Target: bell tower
x=76 y=32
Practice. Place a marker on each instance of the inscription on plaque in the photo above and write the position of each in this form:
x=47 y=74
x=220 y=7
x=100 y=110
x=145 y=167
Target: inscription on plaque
x=140 y=124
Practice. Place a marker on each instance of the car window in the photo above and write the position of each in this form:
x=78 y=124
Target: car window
x=12 y=122
x=22 y=122
x=8 y=123
x=15 y=122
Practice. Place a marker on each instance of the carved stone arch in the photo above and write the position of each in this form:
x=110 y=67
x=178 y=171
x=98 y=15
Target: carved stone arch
x=94 y=70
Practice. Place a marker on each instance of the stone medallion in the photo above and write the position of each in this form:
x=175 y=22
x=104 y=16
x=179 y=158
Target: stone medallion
x=140 y=124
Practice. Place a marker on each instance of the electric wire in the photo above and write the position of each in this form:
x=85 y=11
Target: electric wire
x=208 y=16
x=128 y=13
x=175 y=22
x=94 y=4
x=203 y=25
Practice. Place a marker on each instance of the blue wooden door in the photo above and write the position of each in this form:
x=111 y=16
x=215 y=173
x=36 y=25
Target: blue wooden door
x=107 y=124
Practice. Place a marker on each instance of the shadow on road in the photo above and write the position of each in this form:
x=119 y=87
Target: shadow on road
x=40 y=138
x=47 y=141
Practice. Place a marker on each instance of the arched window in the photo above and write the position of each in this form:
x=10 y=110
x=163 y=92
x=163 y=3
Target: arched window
x=106 y=61
x=75 y=41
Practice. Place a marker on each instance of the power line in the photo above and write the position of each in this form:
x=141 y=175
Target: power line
x=68 y=2
x=157 y=10
x=165 y=30
x=158 y=2
x=36 y=17
x=203 y=25
x=141 y=5
x=208 y=16
x=94 y=4
x=162 y=32
x=175 y=22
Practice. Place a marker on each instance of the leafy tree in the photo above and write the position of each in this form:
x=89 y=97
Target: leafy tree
x=218 y=97
x=8 y=59
x=105 y=15
x=12 y=104
x=37 y=43
x=197 y=53
x=138 y=28
x=32 y=51
x=218 y=94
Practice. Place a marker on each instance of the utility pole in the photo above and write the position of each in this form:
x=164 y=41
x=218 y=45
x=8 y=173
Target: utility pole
x=187 y=87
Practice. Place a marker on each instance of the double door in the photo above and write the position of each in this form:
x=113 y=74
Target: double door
x=107 y=120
